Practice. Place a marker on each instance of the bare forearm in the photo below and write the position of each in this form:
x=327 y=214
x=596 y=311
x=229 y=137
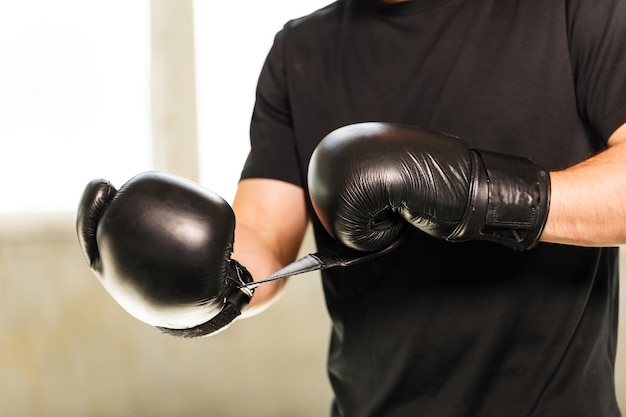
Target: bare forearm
x=271 y=222
x=588 y=201
x=261 y=260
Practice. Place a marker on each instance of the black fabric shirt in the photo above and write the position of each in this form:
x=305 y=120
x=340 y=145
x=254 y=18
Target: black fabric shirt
x=459 y=329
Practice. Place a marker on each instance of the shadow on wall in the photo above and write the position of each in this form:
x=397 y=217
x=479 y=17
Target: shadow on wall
x=66 y=349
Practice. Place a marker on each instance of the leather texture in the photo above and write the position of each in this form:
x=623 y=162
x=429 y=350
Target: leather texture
x=369 y=181
x=161 y=247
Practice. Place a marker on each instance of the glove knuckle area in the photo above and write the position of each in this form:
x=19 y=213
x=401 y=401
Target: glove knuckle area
x=170 y=238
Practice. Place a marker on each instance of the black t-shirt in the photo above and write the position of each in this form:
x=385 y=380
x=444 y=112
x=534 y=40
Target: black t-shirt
x=459 y=329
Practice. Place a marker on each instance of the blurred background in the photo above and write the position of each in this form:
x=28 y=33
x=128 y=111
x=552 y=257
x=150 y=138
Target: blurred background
x=106 y=90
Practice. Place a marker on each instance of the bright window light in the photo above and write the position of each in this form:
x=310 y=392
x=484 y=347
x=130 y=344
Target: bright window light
x=232 y=40
x=74 y=101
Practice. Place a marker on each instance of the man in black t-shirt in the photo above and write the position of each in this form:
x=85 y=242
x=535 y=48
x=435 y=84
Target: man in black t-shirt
x=501 y=298
x=472 y=328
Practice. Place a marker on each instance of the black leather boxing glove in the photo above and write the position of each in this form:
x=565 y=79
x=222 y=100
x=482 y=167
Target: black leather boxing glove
x=161 y=247
x=368 y=181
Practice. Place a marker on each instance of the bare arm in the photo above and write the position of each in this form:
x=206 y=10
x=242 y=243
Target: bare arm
x=271 y=221
x=588 y=202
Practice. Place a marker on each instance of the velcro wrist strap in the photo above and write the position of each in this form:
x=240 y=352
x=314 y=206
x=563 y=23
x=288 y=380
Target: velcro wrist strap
x=509 y=201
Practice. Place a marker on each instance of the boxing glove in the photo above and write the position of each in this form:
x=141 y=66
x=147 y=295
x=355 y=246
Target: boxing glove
x=369 y=181
x=161 y=247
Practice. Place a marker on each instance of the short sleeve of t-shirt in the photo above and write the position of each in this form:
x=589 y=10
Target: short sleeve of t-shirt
x=272 y=147
x=597 y=43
